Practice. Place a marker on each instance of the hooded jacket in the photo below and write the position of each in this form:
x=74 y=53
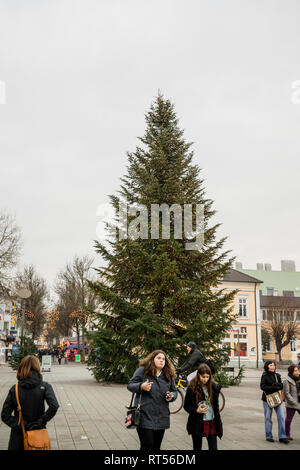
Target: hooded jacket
x=268 y=383
x=194 y=360
x=33 y=393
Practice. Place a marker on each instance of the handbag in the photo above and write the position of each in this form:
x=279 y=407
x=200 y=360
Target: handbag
x=33 y=440
x=132 y=418
x=274 y=399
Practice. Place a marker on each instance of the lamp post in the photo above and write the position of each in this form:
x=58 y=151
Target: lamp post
x=23 y=294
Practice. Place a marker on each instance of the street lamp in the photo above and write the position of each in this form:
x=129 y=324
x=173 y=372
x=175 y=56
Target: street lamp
x=23 y=294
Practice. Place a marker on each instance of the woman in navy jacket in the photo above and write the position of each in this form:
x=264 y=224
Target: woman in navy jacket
x=154 y=382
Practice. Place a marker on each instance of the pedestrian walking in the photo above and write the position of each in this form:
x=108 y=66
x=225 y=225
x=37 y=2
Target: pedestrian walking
x=154 y=383
x=33 y=392
x=271 y=383
x=291 y=388
x=59 y=358
x=202 y=404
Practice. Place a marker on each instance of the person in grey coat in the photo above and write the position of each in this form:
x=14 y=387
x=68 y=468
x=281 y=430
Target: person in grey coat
x=154 y=382
x=291 y=388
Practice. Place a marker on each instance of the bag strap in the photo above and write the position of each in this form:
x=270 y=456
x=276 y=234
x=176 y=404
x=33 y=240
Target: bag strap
x=19 y=410
x=139 y=402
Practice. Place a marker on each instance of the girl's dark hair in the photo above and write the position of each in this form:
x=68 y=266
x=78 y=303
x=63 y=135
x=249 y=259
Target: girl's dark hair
x=27 y=365
x=267 y=363
x=291 y=368
x=196 y=386
x=150 y=368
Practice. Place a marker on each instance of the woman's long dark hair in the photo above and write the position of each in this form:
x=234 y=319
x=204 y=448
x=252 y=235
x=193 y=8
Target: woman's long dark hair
x=196 y=386
x=150 y=368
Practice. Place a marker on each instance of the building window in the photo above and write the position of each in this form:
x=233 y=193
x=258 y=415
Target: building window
x=288 y=293
x=293 y=345
x=267 y=346
x=270 y=291
x=243 y=307
x=226 y=342
x=243 y=348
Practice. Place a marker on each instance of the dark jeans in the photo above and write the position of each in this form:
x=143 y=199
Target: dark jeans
x=211 y=440
x=150 y=439
x=290 y=412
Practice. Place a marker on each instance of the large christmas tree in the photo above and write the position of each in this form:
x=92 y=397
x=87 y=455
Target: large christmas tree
x=156 y=293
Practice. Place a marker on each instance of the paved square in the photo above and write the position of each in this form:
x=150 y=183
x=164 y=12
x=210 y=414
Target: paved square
x=91 y=415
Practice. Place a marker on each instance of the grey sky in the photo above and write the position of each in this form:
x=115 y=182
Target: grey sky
x=80 y=76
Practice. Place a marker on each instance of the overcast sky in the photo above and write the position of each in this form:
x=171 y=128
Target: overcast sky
x=79 y=76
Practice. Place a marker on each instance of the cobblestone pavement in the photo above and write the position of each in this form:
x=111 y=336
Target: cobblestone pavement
x=91 y=415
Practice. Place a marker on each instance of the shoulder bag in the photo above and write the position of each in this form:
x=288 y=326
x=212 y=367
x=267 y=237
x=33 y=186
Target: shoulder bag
x=274 y=399
x=33 y=440
x=132 y=418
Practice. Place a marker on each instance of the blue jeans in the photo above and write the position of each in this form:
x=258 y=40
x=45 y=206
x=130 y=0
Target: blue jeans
x=268 y=421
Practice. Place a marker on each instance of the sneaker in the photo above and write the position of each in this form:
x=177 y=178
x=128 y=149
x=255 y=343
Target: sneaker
x=284 y=441
x=290 y=438
x=270 y=440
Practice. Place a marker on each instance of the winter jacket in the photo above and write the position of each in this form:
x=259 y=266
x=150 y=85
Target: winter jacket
x=269 y=385
x=33 y=392
x=195 y=359
x=291 y=393
x=155 y=412
x=195 y=423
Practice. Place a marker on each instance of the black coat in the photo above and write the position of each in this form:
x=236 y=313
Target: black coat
x=269 y=385
x=195 y=423
x=155 y=412
x=33 y=393
x=195 y=359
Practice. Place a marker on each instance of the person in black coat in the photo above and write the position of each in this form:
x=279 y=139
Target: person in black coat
x=33 y=392
x=154 y=383
x=202 y=404
x=194 y=360
x=271 y=383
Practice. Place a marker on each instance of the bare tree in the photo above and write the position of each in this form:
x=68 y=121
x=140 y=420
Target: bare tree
x=283 y=326
x=75 y=299
x=10 y=247
x=36 y=304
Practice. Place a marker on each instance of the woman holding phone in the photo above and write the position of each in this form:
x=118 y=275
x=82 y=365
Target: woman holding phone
x=202 y=404
x=154 y=383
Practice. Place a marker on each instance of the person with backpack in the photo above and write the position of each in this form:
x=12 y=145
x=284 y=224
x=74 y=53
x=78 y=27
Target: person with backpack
x=33 y=393
x=202 y=404
x=291 y=388
x=269 y=384
x=153 y=383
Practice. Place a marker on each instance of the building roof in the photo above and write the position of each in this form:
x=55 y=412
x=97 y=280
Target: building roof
x=278 y=280
x=237 y=276
x=276 y=301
